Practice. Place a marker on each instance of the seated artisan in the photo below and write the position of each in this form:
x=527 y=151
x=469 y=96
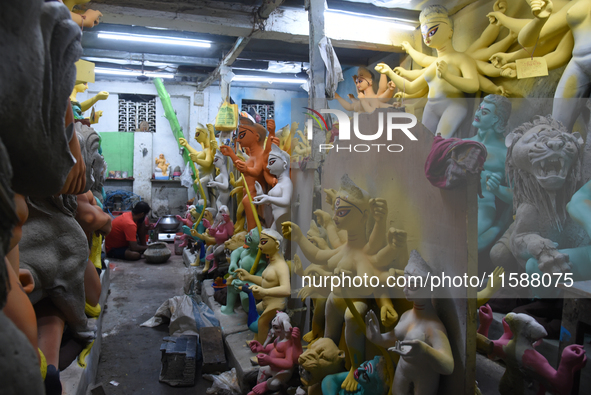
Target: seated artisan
x=122 y=242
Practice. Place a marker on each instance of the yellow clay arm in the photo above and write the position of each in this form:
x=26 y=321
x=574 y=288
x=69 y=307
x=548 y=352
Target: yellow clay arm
x=468 y=82
x=410 y=86
x=542 y=26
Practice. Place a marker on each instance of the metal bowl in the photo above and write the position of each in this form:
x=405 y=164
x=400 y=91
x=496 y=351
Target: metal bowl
x=168 y=224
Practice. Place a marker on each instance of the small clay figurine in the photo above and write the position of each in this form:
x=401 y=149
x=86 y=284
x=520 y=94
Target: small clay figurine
x=243 y=258
x=273 y=287
x=90 y=18
x=279 y=197
x=419 y=337
x=277 y=357
x=367 y=100
x=162 y=165
x=222 y=229
x=203 y=159
x=222 y=181
x=524 y=363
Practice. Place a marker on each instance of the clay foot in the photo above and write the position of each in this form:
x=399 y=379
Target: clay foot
x=215 y=266
x=206 y=266
x=227 y=310
x=209 y=257
x=260 y=388
x=254 y=361
x=53 y=386
x=196 y=263
x=350 y=384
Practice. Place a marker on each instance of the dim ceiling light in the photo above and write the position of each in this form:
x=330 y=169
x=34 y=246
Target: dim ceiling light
x=270 y=80
x=131 y=73
x=156 y=39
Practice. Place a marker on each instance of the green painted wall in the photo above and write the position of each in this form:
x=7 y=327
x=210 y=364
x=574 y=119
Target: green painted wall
x=118 y=151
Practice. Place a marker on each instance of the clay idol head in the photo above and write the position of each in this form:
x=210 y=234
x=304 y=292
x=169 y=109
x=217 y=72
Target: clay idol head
x=436 y=25
x=278 y=161
x=351 y=206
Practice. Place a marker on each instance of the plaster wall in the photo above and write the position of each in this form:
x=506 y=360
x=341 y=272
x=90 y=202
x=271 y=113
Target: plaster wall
x=188 y=114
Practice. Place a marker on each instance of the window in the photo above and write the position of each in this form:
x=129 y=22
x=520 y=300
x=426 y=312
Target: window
x=134 y=109
x=266 y=110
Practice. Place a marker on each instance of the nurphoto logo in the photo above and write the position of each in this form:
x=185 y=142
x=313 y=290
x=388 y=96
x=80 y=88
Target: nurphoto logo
x=395 y=122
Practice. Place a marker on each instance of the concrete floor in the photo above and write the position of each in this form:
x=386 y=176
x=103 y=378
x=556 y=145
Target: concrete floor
x=130 y=354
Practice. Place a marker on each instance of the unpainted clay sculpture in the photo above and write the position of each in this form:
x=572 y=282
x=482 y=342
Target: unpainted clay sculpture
x=453 y=74
x=273 y=286
x=543 y=165
x=279 y=197
x=243 y=258
x=367 y=100
x=278 y=356
x=358 y=256
x=203 y=159
x=162 y=165
x=222 y=181
x=321 y=358
x=80 y=108
x=491 y=120
x=525 y=366
x=419 y=337
x=251 y=136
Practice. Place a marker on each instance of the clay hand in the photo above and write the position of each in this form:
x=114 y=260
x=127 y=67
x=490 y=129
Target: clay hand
x=352 y=96
x=224 y=149
x=258 y=292
x=91 y=18
x=499 y=59
x=324 y=219
x=258 y=188
x=485 y=315
x=395 y=273
x=271 y=125
x=255 y=346
x=397 y=237
x=553 y=261
x=360 y=95
x=398 y=95
x=240 y=165
x=441 y=68
x=391 y=85
x=183 y=142
x=493 y=181
x=330 y=196
x=291 y=231
x=495 y=18
x=242 y=274
x=509 y=70
x=295 y=332
x=383 y=68
x=388 y=315
x=372 y=327
x=503 y=91
x=417 y=347
x=263 y=359
x=337 y=96
x=406 y=46
x=102 y=95
x=379 y=209
x=541 y=8
x=500 y=5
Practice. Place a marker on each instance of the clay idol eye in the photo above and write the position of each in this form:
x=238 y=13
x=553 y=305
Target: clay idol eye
x=433 y=31
x=263 y=242
x=343 y=212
